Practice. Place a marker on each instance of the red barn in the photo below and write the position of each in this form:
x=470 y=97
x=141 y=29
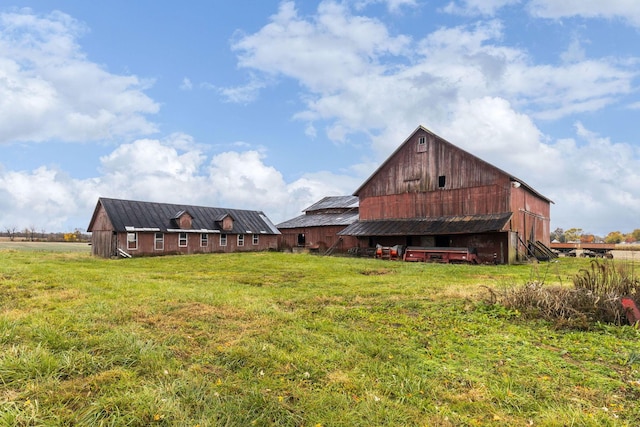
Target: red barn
x=318 y=228
x=132 y=228
x=431 y=193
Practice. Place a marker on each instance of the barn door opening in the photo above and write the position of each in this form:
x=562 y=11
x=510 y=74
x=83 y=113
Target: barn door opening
x=301 y=239
x=442 y=241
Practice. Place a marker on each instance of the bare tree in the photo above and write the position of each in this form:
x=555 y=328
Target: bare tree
x=11 y=232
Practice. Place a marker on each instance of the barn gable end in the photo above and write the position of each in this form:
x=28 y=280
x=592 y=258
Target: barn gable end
x=431 y=193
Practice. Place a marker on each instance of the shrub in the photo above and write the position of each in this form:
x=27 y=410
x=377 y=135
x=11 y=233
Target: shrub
x=595 y=297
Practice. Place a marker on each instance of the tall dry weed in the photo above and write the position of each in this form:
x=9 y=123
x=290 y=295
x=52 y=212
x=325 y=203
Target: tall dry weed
x=595 y=297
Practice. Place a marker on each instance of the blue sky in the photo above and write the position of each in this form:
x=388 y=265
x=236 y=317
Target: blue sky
x=272 y=105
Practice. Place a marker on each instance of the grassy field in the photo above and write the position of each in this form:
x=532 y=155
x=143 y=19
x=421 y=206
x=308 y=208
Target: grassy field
x=272 y=339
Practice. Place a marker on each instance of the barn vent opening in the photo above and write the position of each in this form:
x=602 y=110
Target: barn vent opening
x=441 y=181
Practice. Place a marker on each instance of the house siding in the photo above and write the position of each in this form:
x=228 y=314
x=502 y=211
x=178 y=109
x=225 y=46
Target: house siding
x=147 y=219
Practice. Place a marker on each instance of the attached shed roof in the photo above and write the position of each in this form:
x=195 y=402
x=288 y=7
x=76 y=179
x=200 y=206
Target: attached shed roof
x=126 y=215
x=334 y=202
x=320 y=220
x=468 y=224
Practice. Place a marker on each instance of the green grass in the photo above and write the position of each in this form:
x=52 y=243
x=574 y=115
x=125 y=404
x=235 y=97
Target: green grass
x=296 y=340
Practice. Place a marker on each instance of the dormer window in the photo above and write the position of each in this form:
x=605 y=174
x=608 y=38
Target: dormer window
x=225 y=222
x=182 y=219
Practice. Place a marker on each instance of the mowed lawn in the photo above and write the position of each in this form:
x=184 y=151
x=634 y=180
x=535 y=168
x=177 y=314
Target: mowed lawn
x=273 y=339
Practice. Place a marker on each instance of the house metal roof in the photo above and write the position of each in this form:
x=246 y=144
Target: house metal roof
x=334 y=202
x=320 y=220
x=128 y=215
x=429 y=226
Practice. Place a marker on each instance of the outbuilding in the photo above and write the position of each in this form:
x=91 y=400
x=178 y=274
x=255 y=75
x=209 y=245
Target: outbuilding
x=135 y=228
x=430 y=193
x=317 y=229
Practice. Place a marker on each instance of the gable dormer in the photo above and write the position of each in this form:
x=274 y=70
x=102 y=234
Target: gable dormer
x=225 y=222
x=182 y=220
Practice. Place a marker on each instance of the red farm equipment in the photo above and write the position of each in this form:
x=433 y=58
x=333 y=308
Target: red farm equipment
x=443 y=255
x=389 y=252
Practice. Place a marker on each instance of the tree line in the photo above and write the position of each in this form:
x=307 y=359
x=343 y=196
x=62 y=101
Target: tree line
x=33 y=234
x=578 y=235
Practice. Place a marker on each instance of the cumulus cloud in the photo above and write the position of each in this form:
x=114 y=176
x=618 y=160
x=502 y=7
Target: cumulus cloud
x=50 y=90
x=172 y=170
x=369 y=92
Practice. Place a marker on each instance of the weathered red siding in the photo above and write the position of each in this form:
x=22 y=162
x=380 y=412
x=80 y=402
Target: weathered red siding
x=430 y=177
x=321 y=238
x=146 y=244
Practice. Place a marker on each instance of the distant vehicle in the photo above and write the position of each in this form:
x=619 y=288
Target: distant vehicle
x=587 y=253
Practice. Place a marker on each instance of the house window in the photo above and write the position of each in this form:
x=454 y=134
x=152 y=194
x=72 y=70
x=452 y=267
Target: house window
x=223 y=240
x=441 y=181
x=240 y=239
x=159 y=241
x=204 y=239
x=182 y=240
x=256 y=239
x=132 y=240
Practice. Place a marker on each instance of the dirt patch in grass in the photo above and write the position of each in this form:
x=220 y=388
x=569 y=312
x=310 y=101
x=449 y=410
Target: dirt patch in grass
x=379 y=272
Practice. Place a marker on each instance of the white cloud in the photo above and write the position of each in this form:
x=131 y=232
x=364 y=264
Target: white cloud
x=50 y=90
x=626 y=10
x=186 y=84
x=394 y=6
x=334 y=40
x=173 y=170
x=596 y=182
x=477 y=7
x=369 y=92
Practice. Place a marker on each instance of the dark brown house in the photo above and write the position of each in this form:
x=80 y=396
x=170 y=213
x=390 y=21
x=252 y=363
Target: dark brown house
x=431 y=193
x=318 y=227
x=132 y=228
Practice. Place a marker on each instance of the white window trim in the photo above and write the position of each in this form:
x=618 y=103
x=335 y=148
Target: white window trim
x=204 y=240
x=255 y=239
x=186 y=240
x=132 y=238
x=240 y=239
x=223 y=239
x=156 y=241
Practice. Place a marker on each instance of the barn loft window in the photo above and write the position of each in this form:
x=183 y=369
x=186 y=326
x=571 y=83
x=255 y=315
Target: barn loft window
x=223 y=240
x=422 y=144
x=159 y=241
x=441 y=181
x=256 y=239
x=182 y=240
x=240 y=239
x=132 y=240
x=204 y=239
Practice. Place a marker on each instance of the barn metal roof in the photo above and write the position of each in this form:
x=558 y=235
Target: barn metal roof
x=334 y=202
x=320 y=220
x=136 y=215
x=429 y=226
